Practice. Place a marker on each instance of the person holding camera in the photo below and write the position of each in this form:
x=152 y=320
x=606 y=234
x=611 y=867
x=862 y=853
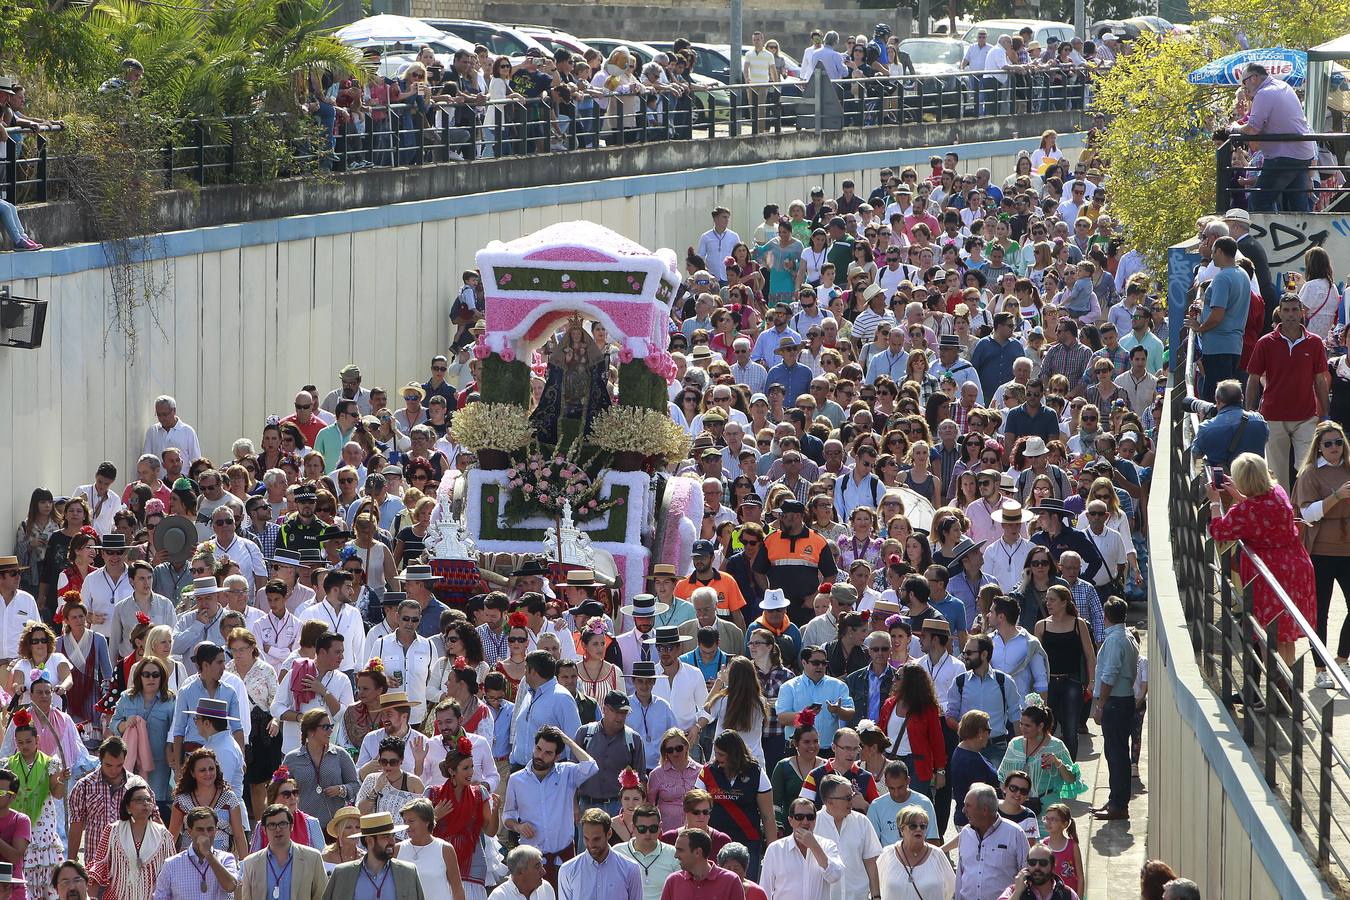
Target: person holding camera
x=1227 y=429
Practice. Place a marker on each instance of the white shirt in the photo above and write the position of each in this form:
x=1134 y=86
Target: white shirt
x=346 y=621
x=250 y=560
x=686 y=693
x=181 y=435
x=943 y=672
x=370 y=747
x=1005 y=562
x=1110 y=544
x=1009 y=655
x=484 y=766
x=507 y=890
x=103 y=514
x=335 y=682
x=997 y=59
x=757 y=65
x=988 y=865
x=100 y=594
x=412 y=666
x=278 y=637
x=13 y=616
x=788 y=874
x=976 y=56
x=362 y=398
x=857 y=841
x=715 y=248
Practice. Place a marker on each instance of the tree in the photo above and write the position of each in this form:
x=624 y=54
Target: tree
x=1299 y=24
x=1161 y=173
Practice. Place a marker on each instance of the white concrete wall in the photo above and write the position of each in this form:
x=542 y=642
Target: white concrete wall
x=254 y=311
x=1210 y=814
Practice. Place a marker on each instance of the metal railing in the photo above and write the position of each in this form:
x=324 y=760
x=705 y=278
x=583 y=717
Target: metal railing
x=1289 y=730
x=440 y=128
x=1227 y=177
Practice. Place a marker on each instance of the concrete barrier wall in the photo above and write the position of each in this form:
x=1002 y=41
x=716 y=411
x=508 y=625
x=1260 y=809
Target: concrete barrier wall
x=1210 y=814
x=254 y=310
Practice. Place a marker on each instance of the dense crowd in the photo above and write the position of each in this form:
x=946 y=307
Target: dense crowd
x=923 y=416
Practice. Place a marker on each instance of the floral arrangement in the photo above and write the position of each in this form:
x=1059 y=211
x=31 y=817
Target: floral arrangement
x=634 y=429
x=541 y=484
x=492 y=426
x=281 y=775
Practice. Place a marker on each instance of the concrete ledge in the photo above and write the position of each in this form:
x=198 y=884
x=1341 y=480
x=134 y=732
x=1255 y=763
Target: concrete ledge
x=1265 y=850
x=63 y=223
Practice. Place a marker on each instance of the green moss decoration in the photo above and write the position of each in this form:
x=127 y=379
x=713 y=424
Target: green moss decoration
x=640 y=386
x=504 y=382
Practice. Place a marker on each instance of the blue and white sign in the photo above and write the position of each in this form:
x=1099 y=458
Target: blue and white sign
x=1290 y=66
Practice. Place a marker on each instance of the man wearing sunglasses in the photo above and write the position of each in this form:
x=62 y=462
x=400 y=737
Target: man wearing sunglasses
x=1038 y=879
x=802 y=865
x=655 y=860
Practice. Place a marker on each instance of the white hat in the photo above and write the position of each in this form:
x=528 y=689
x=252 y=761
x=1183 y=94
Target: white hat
x=774 y=598
x=1238 y=215
x=1035 y=447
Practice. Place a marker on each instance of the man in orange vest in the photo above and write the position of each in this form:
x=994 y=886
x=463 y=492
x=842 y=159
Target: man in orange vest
x=729 y=597
x=795 y=560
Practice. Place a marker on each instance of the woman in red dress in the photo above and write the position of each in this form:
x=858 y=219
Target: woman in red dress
x=464 y=812
x=1263 y=519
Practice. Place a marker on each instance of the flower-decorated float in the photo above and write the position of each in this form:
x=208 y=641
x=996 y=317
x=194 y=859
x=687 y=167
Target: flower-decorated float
x=580 y=477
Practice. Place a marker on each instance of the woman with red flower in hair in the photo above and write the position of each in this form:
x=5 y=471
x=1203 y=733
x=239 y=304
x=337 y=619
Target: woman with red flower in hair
x=632 y=794
x=790 y=773
x=305 y=829
x=464 y=812
x=363 y=716
x=517 y=645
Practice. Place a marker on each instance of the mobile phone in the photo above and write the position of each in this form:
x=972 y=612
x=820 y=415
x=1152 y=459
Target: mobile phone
x=1216 y=477
x=815 y=707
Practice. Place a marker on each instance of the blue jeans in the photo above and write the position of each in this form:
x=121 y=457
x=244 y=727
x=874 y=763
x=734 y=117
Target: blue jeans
x=9 y=220
x=1117 y=723
x=1283 y=180
x=1066 y=703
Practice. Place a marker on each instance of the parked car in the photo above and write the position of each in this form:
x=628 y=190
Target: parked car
x=555 y=39
x=937 y=58
x=502 y=40
x=1042 y=29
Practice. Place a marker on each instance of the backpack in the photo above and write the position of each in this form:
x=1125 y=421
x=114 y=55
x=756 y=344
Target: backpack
x=1002 y=680
x=632 y=739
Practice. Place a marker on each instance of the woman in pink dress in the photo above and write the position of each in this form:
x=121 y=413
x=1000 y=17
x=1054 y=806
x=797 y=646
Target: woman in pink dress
x=1263 y=519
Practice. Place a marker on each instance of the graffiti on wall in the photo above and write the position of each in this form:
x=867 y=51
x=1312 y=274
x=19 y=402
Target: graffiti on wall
x=1287 y=236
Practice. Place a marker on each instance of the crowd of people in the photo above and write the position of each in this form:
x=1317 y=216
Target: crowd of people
x=922 y=416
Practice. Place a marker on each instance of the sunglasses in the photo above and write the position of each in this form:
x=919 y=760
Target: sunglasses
x=647 y=829
x=390 y=762
x=303 y=406
x=1047 y=863
x=517 y=640
x=671 y=751
x=439 y=369
x=411 y=619
x=803 y=817
x=289 y=792
x=1336 y=442
x=1016 y=789
x=39 y=640
x=1039 y=562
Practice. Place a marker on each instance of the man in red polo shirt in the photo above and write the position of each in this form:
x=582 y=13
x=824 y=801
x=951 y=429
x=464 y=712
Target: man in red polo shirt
x=729 y=598
x=1289 y=365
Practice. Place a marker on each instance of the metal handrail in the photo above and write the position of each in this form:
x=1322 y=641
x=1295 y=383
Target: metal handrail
x=1234 y=640
x=214 y=150
x=1224 y=141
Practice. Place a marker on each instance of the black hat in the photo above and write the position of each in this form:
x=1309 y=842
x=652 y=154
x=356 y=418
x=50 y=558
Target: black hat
x=306 y=493
x=643 y=669
x=791 y=506
x=393 y=598
x=617 y=700
x=283 y=557
x=334 y=533
x=703 y=548
x=962 y=550
x=587 y=608
x=666 y=635
x=113 y=542
x=531 y=568
x=949 y=340
x=1053 y=506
